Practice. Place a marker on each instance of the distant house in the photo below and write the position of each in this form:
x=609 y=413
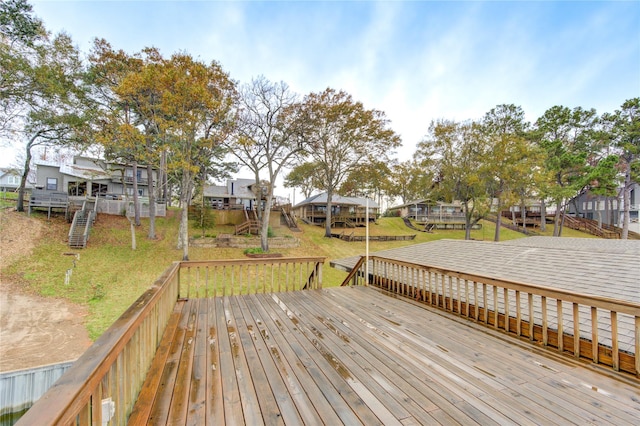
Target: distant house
x=111 y=183
x=92 y=177
x=607 y=210
x=9 y=179
x=237 y=194
x=344 y=210
x=429 y=211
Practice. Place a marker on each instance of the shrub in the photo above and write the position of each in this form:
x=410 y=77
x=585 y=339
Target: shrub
x=254 y=250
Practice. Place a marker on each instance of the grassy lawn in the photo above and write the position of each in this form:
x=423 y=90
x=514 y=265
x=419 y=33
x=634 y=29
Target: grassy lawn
x=8 y=199
x=109 y=276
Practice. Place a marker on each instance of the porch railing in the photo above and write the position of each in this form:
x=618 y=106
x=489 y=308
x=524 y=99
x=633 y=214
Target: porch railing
x=580 y=325
x=103 y=385
x=214 y=278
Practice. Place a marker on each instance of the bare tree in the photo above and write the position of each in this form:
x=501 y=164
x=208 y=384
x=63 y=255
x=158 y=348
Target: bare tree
x=267 y=139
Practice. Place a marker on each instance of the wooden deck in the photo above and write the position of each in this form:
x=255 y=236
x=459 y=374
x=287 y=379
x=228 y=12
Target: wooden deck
x=354 y=355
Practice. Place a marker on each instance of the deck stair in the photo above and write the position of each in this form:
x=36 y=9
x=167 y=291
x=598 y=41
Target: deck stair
x=290 y=220
x=506 y=223
x=427 y=228
x=83 y=220
x=248 y=227
x=594 y=228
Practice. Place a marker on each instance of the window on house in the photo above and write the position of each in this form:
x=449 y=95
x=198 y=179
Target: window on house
x=140 y=191
x=52 y=184
x=98 y=190
x=13 y=180
x=77 y=188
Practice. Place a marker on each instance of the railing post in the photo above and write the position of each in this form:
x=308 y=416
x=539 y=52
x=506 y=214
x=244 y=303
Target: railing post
x=615 y=356
x=560 y=325
x=576 y=331
x=594 y=333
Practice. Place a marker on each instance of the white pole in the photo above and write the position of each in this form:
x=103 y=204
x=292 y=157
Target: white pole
x=366 y=260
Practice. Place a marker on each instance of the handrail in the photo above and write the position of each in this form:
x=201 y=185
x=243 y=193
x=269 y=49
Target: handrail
x=251 y=225
x=214 y=278
x=73 y=224
x=110 y=374
x=502 y=305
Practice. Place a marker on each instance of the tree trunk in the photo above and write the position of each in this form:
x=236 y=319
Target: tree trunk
x=136 y=205
x=523 y=213
x=25 y=174
x=152 y=204
x=496 y=237
x=543 y=216
x=556 y=219
x=467 y=221
x=185 y=196
x=626 y=199
x=23 y=183
x=327 y=225
x=133 y=234
x=264 y=226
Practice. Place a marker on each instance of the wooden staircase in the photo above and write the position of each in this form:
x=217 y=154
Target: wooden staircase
x=248 y=227
x=83 y=220
x=290 y=220
x=592 y=227
x=427 y=228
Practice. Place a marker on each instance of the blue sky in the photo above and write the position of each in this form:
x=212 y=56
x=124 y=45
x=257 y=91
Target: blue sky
x=416 y=61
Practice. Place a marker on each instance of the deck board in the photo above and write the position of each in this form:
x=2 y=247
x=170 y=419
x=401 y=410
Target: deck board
x=358 y=356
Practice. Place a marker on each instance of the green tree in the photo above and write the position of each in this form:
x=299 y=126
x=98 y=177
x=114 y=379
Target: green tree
x=42 y=90
x=507 y=167
x=21 y=36
x=197 y=118
x=459 y=152
x=127 y=89
x=342 y=135
x=624 y=130
x=303 y=177
x=411 y=180
x=368 y=180
x=267 y=139
x=566 y=137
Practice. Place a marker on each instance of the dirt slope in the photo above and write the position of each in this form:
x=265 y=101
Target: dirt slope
x=34 y=330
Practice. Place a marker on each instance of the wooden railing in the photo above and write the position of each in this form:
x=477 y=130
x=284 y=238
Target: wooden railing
x=103 y=385
x=243 y=276
x=541 y=314
x=590 y=227
x=249 y=227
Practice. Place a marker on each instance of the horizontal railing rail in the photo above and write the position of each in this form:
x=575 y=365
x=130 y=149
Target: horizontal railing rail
x=102 y=386
x=603 y=330
x=214 y=278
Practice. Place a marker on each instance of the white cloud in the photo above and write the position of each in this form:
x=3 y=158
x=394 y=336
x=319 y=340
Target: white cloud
x=417 y=61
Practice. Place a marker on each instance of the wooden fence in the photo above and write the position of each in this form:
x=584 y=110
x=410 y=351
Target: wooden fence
x=607 y=331
x=103 y=384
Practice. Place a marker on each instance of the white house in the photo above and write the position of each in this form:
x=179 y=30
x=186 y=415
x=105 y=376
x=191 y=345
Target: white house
x=9 y=179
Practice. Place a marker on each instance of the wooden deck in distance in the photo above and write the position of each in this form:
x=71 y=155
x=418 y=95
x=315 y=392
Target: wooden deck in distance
x=354 y=355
